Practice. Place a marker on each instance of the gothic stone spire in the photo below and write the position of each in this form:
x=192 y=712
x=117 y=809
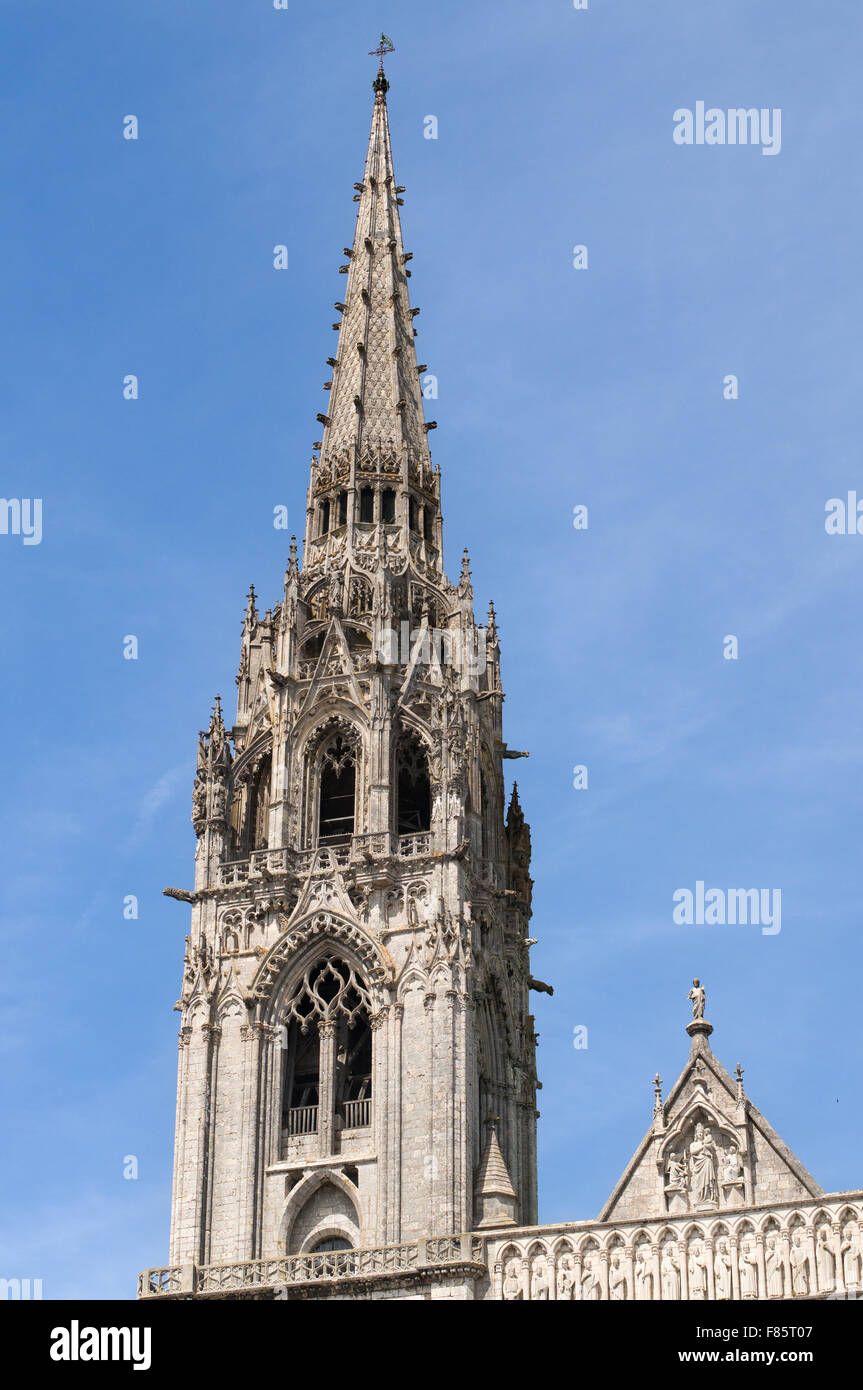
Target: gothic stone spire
x=374 y=482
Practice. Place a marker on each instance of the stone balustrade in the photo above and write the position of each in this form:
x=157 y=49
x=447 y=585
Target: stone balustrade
x=262 y=862
x=390 y=1263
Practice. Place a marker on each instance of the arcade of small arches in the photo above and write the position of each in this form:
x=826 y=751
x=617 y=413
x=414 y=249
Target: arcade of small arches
x=791 y=1253
x=333 y=805
x=372 y=506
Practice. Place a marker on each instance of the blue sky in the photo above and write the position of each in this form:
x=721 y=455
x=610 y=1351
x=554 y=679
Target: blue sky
x=556 y=387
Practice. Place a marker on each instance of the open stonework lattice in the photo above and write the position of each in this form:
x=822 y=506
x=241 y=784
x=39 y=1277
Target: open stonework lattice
x=357 y=1084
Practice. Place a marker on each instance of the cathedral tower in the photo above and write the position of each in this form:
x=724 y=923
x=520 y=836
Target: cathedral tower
x=356 y=1047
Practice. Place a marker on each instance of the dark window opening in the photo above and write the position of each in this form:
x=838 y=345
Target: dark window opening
x=428 y=523
x=352 y=1078
x=367 y=504
x=259 y=820
x=312 y=647
x=388 y=505
x=486 y=813
x=325 y=518
x=331 y=1243
x=338 y=787
x=303 y=1067
x=343 y=509
x=414 y=790
x=413 y=520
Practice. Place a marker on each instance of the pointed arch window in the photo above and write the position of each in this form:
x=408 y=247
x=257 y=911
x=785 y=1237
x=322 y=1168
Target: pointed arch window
x=325 y=517
x=327 y=1077
x=367 y=504
x=413 y=789
x=388 y=505
x=343 y=508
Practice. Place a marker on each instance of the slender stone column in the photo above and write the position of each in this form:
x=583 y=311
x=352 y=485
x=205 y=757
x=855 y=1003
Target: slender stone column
x=762 y=1266
x=245 y=1239
x=711 y=1278
x=326 y=1098
x=786 y=1262
x=630 y=1271
x=735 y=1268
x=684 y=1270
x=837 y=1250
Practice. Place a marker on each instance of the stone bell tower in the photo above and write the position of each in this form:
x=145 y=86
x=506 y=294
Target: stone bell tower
x=356 y=1048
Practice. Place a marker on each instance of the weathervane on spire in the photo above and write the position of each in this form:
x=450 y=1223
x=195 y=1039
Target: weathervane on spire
x=386 y=45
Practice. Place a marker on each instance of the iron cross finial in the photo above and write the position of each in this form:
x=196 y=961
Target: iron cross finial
x=386 y=45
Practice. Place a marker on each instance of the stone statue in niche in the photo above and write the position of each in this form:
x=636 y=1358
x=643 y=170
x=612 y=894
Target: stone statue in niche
x=826 y=1260
x=644 y=1274
x=511 y=1280
x=774 y=1269
x=670 y=1271
x=697 y=1271
x=748 y=1260
x=799 y=1258
x=702 y=1168
x=851 y=1256
x=591 y=1290
x=565 y=1277
x=539 y=1290
x=617 y=1278
x=732 y=1177
x=722 y=1269
x=675 y=1173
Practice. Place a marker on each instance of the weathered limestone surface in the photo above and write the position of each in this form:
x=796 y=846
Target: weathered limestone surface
x=356 y=1098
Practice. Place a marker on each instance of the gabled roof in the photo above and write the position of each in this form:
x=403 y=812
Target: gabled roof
x=706 y=1093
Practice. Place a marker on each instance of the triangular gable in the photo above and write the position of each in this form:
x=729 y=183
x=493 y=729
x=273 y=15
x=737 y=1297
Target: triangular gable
x=708 y=1150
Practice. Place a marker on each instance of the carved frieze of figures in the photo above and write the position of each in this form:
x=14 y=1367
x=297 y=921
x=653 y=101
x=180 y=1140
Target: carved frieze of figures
x=793 y=1253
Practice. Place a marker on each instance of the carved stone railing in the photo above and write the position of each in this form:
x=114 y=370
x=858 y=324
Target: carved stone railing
x=805 y=1249
x=356 y=850
x=412 y=846
x=385 y=1262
